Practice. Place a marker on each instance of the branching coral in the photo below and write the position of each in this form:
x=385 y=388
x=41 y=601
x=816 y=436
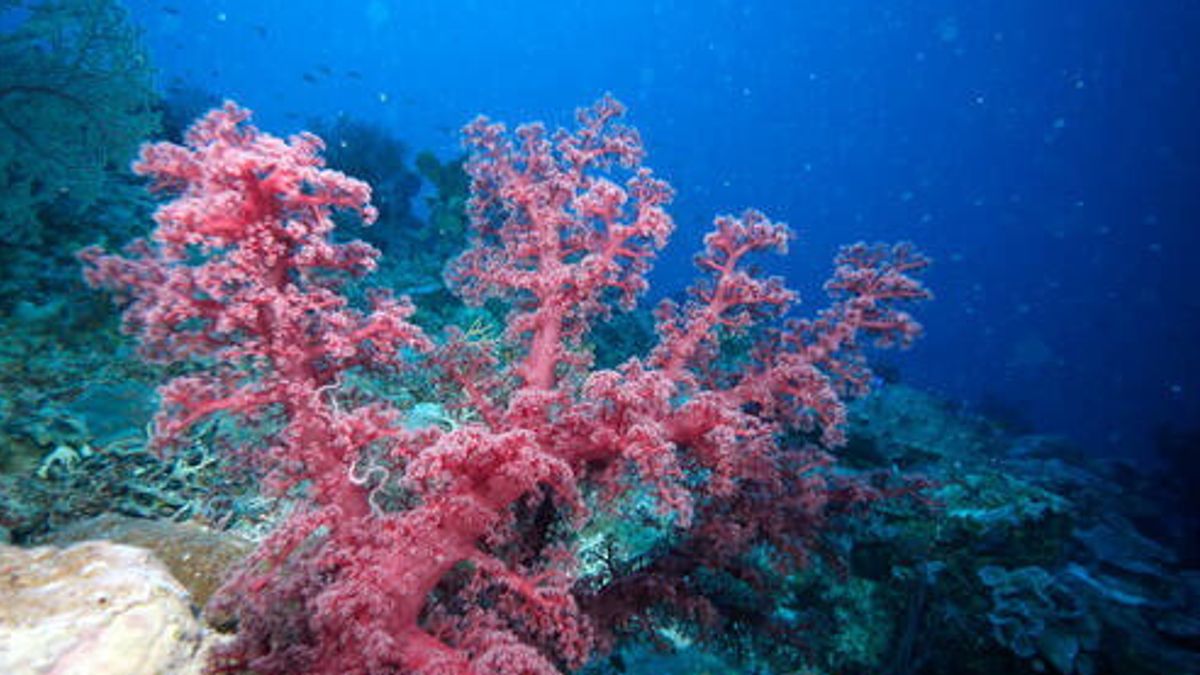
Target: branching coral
x=470 y=565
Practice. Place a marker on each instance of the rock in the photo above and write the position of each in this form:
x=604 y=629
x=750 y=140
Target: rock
x=95 y=608
x=197 y=556
x=896 y=426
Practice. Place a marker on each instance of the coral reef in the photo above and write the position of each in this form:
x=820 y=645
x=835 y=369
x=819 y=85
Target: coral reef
x=450 y=548
x=46 y=405
x=75 y=101
x=1027 y=561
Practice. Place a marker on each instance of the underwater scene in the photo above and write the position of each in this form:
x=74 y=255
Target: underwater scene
x=646 y=337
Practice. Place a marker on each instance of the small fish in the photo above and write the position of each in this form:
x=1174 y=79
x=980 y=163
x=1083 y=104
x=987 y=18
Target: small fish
x=309 y=78
x=261 y=30
x=168 y=9
x=324 y=69
x=354 y=74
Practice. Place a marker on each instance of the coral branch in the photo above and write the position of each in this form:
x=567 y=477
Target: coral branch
x=554 y=235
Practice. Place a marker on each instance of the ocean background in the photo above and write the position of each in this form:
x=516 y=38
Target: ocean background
x=1044 y=154
x=1016 y=494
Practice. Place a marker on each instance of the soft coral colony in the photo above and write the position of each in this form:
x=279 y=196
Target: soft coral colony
x=472 y=565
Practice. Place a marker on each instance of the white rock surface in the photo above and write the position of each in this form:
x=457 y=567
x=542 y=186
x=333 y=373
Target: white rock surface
x=95 y=608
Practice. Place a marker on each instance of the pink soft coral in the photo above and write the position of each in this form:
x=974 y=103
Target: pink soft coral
x=472 y=568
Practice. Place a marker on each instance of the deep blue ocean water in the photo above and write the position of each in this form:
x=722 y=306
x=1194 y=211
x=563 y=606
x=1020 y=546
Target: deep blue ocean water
x=1044 y=154
x=986 y=519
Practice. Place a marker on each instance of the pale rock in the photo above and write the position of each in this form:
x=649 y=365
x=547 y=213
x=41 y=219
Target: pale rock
x=97 y=608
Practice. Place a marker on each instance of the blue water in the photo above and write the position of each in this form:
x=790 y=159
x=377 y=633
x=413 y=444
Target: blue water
x=1043 y=153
